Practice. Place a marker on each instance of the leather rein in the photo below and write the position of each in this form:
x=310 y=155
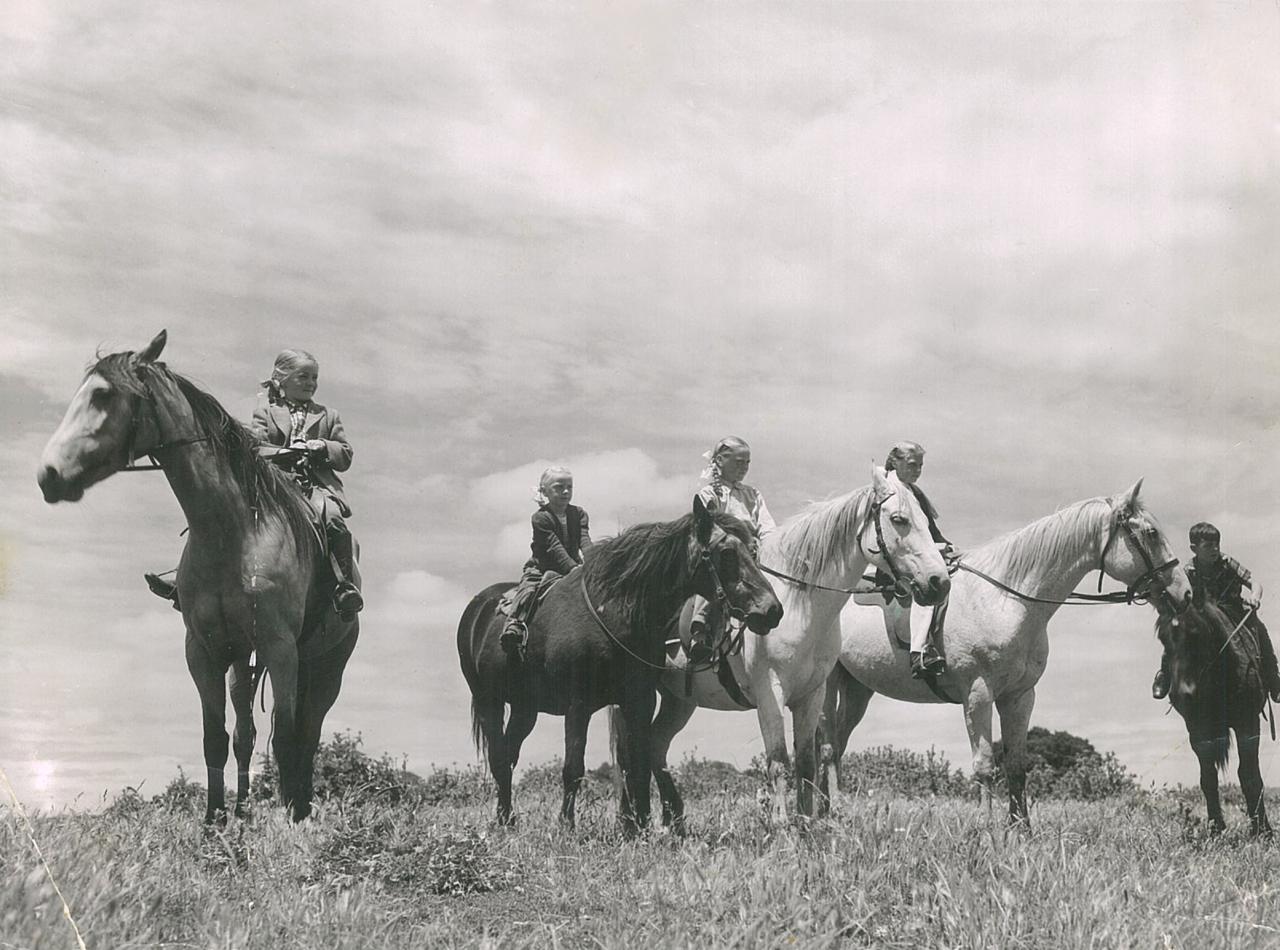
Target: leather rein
x=705 y=560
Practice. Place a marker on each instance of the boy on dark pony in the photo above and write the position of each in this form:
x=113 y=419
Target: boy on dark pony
x=1223 y=581
x=561 y=536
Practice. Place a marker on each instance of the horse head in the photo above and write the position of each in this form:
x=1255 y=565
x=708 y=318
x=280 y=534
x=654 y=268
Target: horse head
x=1208 y=667
x=727 y=573
x=896 y=539
x=104 y=428
x=1137 y=554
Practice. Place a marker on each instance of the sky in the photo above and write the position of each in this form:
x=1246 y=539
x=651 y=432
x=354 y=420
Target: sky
x=1038 y=239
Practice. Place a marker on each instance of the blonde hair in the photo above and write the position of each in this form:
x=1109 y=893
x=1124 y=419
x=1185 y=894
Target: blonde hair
x=287 y=363
x=548 y=475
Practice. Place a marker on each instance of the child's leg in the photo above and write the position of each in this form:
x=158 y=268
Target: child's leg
x=1160 y=685
x=1270 y=670
x=701 y=636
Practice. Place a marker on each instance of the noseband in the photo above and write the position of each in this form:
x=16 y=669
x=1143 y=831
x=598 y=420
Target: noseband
x=1140 y=589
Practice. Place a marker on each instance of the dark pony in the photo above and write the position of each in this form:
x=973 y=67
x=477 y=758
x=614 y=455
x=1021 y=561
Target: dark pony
x=598 y=639
x=252 y=577
x=1216 y=686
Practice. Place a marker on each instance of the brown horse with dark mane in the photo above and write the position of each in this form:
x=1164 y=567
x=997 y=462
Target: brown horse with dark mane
x=252 y=576
x=599 y=639
x=1217 y=689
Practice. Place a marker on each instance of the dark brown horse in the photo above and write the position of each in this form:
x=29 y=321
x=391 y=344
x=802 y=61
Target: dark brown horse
x=1217 y=689
x=598 y=639
x=252 y=576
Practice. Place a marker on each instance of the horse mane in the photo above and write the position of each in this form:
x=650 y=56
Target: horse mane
x=644 y=569
x=262 y=484
x=817 y=539
x=1015 y=556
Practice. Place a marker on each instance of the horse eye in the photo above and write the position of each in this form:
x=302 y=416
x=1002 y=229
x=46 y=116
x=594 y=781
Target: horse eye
x=99 y=398
x=900 y=520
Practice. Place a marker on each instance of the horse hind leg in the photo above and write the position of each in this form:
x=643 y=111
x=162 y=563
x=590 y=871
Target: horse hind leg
x=246 y=734
x=576 y=721
x=210 y=680
x=519 y=724
x=845 y=705
x=321 y=680
x=673 y=715
x=486 y=726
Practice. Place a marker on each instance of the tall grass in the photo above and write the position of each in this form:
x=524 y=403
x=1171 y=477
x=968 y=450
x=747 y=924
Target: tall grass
x=428 y=869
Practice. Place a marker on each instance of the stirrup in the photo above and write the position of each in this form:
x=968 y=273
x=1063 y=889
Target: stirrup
x=927 y=664
x=701 y=645
x=348 y=602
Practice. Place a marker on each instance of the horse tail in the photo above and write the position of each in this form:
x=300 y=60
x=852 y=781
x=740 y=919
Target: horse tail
x=617 y=744
x=477 y=732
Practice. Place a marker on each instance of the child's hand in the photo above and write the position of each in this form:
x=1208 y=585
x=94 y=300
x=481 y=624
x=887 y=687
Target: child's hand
x=317 y=447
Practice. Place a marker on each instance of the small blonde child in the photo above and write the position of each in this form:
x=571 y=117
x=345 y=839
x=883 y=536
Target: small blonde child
x=729 y=461
x=291 y=425
x=310 y=438
x=561 y=536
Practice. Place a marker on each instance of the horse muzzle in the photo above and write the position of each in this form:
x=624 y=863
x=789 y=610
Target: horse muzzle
x=933 y=593
x=56 y=488
x=761 y=622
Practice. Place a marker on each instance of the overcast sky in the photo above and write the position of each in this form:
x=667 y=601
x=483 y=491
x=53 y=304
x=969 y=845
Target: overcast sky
x=1039 y=239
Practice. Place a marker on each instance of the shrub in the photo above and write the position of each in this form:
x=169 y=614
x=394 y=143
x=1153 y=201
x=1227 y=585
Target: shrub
x=902 y=772
x=1061 y=765
x=343 y=771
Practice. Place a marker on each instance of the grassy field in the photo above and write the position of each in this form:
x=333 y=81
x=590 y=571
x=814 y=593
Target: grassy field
x=388 y=868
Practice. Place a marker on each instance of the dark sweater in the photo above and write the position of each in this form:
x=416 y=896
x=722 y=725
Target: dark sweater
x=558 y=547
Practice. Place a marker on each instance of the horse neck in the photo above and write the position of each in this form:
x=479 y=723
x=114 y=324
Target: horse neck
x=1049 y=557
x=844 y=573
x=200 y=478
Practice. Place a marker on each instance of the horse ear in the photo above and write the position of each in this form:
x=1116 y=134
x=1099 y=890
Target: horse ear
x=1131 y=498
x=880 y=483
x=154 y=348
x=702 y=520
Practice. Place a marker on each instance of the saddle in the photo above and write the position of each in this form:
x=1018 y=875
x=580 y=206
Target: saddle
x=724 y=647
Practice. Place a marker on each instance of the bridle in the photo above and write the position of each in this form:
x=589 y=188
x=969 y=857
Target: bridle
x=147 y=397
x=1139 y=589
x=873 y=516
x=706 y=561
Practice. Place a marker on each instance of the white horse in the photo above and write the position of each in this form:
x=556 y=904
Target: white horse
x=830 y=544
x=995 y=631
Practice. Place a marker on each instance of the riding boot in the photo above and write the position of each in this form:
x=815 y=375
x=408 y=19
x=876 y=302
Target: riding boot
x=163 y=588
x=928 y=662
x=515 y=634
x=1160 y=685
x=347 y=600
x=701 y=645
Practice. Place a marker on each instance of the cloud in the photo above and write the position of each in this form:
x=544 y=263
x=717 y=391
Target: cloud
x=618 y=488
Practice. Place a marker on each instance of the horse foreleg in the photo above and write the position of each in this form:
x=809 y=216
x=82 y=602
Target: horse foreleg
x=246 y=735
x=977 y=720
x=804 y=724
x=1015 y=718
x=1209 y=753
x=673 y=715
x=773 y=730
x=282 y=667
x=576 y=721
x=1247 y=742
x=637 y=712
x=321 y=680
x=210 y=680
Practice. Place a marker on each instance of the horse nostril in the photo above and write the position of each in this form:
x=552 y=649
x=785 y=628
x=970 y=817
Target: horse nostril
x=49 y=482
